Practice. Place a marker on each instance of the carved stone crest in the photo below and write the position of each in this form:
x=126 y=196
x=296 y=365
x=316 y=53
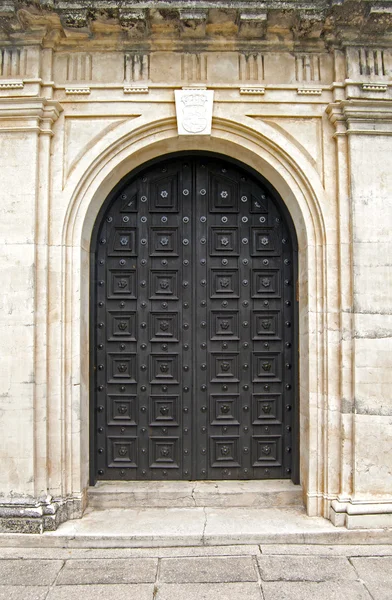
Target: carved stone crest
x=194 y=111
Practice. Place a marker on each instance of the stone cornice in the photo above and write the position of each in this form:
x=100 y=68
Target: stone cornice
x=365 y=117
x=276 y=22
x=28 y=114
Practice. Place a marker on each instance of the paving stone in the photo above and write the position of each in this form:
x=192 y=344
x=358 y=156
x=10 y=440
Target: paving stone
x=29 y=572
x=206 y=591
x=306 y=590
x=102 y=592
x=305 y=568
x=331 y=550
x=207 y=570
x=376 y=569
x=251 y=550
x=379 y=591
x=119 y=570
x=8 y=592
x=376 y=572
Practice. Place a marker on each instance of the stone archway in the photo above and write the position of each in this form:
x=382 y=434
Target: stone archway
x=299 y=186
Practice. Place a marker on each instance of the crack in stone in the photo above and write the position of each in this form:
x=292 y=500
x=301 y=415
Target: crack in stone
x=204 y=527
x=193 y=495
x=54 y=583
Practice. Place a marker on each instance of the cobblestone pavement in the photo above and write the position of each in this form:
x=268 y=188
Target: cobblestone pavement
x=268 y=572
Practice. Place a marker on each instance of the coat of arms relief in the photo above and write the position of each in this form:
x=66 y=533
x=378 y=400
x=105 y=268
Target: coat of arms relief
x=194 y=111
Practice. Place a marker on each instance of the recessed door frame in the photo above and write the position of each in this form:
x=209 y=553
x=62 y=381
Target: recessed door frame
x=282 y=208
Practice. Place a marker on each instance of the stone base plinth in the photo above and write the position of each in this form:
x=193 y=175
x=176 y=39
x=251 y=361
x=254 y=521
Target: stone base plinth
x=36 y=515
x=361 y=515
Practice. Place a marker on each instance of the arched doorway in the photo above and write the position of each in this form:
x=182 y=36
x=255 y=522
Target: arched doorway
x=194 y=326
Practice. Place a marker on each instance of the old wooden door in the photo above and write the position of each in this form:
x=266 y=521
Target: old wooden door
x=193 y=327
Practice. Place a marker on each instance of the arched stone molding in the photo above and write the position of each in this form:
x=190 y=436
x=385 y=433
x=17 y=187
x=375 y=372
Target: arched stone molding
x=270 y=153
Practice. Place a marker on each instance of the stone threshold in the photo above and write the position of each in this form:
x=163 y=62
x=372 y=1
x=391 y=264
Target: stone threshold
x=188 y=494
x=197 y=526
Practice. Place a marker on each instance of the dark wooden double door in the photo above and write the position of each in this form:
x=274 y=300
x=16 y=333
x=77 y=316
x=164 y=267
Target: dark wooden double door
x=193 y=327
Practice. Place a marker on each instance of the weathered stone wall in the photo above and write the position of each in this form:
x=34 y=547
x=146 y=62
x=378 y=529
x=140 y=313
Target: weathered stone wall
x=304 y=96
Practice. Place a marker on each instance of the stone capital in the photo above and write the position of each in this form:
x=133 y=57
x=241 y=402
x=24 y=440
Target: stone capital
x=361 y=116
x=28 y=114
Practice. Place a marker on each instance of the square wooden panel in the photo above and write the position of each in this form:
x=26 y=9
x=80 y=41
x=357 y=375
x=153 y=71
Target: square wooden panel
x=224 y=240
x=122 y=452
x=121 y=410
x=164 y=368
x=163 y=194
x=224 y=367
x=224 y=282
x=164 y=285
x=163 y=241
x=225 y=451
x=122 y=284
x=164 y=452
x=224 y=325
x=121 y=326
x=128 y=199
x=224 y=409
x=258 y=202
x=267 y=366
x=266 y=324
x=266 y=451
x=264 y=242
x=163 y=326
x=266 y=408
x=266 y=283
x=223 y=194
x=123 y=242
x=164 y=410
x=122 y=368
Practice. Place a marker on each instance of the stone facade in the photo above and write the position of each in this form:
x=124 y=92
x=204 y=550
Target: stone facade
x=303 y=95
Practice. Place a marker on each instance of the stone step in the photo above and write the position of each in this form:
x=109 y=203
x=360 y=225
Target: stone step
x=179 y=527
x=188 y=494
